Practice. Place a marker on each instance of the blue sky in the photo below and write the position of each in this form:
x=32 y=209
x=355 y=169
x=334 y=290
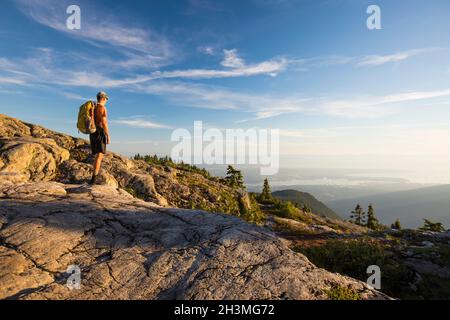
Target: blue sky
x=341 y=94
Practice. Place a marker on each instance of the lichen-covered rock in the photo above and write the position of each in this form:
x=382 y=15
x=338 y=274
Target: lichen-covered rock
x=72 y=171
x=130 y=249
x=11 y=127
x=36 y=158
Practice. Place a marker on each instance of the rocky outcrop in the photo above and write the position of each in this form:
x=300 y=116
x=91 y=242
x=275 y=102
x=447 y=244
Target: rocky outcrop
x=35 y=158
x=130 y=249
x=32 y=153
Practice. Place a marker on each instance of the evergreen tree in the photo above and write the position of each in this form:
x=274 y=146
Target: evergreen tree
x=306 y=208
x=358 y=216
x=432 y=226
x=234 y=177
x=372 y=221
x=396 y=225
x=266 y=194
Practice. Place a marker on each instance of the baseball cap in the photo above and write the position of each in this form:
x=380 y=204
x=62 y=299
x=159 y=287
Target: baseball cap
x=102 y=95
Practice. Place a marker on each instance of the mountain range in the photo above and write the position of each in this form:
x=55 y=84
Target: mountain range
x=303 y=198
x=410 y=206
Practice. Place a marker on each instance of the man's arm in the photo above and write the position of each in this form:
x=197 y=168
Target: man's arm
x=105 y=124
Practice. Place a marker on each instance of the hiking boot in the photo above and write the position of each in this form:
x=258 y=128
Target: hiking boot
x=93 y=180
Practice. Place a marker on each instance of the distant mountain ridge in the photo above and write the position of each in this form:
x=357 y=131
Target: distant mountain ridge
x=411 y=206
x=298 y=197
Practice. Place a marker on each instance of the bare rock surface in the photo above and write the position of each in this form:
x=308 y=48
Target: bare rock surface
x=131 y=249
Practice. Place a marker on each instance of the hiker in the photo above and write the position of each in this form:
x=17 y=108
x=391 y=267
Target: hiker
x=100 y=138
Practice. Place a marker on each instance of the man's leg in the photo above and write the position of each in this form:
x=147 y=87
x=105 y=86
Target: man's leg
x=97 y=163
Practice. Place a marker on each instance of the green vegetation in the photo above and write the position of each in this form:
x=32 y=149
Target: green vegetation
x=352 y=258
x=211 y=197
x=292 y=229
x=433 y=287
x=306 y=202
x=372 y=221
x=358 y=216
x=286 y=209
x=432 y=226
x=277 y=207
x=369 y=219
x=266 y=195
x=131 y=191
x=342 y=293
x=252 y=214
x=167 y=161
x=396 y=225
x=234 y=178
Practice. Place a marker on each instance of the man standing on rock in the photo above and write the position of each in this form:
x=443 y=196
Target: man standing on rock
x=100 y=138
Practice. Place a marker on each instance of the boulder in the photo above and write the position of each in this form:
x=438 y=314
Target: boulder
x=35 y=158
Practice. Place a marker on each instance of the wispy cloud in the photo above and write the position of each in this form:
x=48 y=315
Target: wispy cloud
x=232 y=59
x=376 y=60
x=42 y=69
x=265 y=106
x=73 y=96
x=45 y=66
x=209 y=50
x=140 y=122
x=234 y=67
x=306 y=64
x=141 y=47
x=5 y=80
x=218 y=98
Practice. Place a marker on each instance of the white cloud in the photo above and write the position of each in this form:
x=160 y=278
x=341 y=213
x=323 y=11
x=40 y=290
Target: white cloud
x=72 y=96
x=5 y=80
x=376 y=60
x=264 y=106
x=379 y=60
x=209 y=50
x=232 y=60
x=141 y=47
x=235 y=67
x=306 y=64
x=217 y=98
x=272 y=68
x=42 y=68
x=140 y=122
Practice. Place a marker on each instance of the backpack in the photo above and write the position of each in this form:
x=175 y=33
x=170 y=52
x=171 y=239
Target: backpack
x=86 y=122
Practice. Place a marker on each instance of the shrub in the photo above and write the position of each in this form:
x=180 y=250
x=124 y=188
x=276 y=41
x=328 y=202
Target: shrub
x=342 y=293
x=352 y=258
x=432 y=226
x=252 y=214
x=167 y=161
x=396 y=225
x=131 y=191
x=286 y=209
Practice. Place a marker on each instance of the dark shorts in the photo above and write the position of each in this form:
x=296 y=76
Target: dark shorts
x=98 y=141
